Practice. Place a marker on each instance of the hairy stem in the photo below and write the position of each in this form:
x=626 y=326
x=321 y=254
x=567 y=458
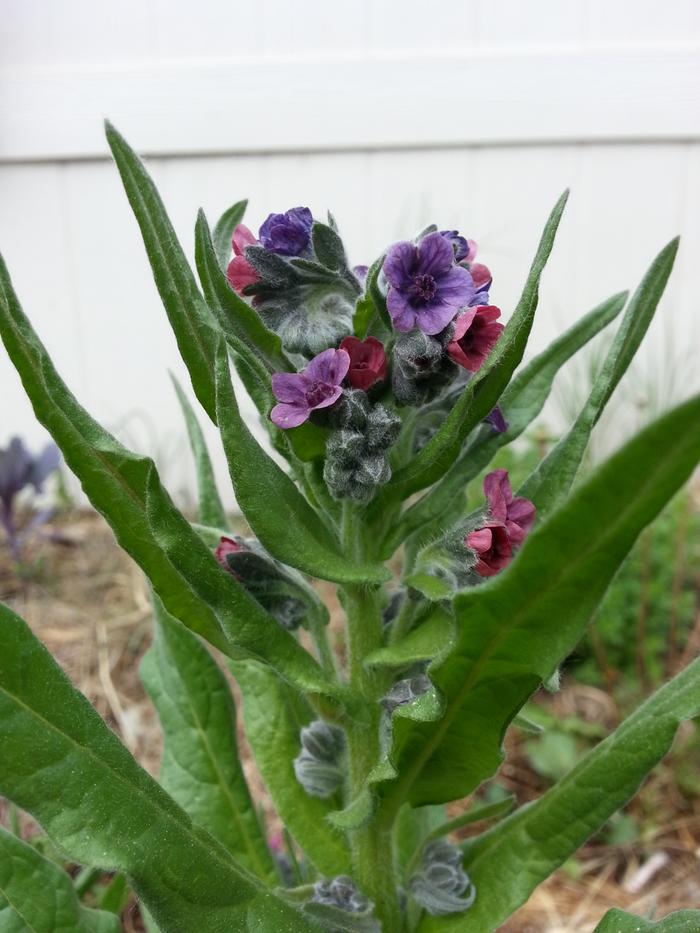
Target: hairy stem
x=371 y=844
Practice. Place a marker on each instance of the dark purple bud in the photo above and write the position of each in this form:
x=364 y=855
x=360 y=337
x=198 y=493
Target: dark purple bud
x=460 y=244
x=287 y=234
x=496 y=420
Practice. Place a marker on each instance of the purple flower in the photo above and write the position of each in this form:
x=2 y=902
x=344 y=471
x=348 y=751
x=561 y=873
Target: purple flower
x=460 y=245
x=317 y=386
x=426 y=288
x=287 y=234
x=19 y=469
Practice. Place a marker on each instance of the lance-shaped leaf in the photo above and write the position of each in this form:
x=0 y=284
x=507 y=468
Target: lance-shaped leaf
x=240 y=323
x=482 y=393
x=514 y=631
x=508 y=862
x=187 y=311
x=36 y=895
x=63 y=765
x=521 y=403
x=211 y=511
x=553 y=477
x=126 y=489
x=274 y=715
x=277 y=512
x=680 y=921
x=200 y=768
x=223 y=232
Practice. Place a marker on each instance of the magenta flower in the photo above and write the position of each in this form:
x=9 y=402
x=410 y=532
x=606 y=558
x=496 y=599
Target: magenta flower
x=426 y=288
x=367 y=361
x=510 y=519
x=476 y=333
x=317 y=386
x=515 y=514
x=240 y=272
x=287 y=234
x=493 y=548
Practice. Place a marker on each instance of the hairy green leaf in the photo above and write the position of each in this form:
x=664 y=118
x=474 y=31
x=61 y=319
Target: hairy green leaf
x=553 y=477
x=187 y=311
x=482 y=393
x=681 y=921
x=277 y=512
x=422 y=643
x=223 y=232
x=211 y=511
x=63 y=765
x=514 y=631
x=36 y=896
x=521 y=402
x=274 y=715
x=240 y=323
x=126 y=489
x=200 y=768
x=508 y=862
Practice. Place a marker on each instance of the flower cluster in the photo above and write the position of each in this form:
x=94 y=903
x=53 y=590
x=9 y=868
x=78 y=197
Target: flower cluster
x=508 y=521
x=432 y=321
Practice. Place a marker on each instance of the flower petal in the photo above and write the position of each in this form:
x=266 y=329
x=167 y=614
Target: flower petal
x=289 y=416
x=329 y=366
x=403 y=316
x=435 y=255
x=400 y=264
x=241 y=238
x=289 y=387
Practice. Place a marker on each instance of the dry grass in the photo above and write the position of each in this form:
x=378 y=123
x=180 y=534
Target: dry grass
x=88 y=603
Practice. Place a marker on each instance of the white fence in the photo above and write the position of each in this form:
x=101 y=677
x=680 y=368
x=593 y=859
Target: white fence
x=393 y=114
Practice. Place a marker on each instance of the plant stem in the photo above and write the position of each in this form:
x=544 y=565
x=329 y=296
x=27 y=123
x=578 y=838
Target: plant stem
x=371 y=844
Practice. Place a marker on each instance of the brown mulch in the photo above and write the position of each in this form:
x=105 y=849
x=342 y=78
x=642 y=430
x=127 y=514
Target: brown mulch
x=88 y=603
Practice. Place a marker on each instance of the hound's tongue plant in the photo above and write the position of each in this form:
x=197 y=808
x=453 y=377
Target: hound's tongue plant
x=388 y=391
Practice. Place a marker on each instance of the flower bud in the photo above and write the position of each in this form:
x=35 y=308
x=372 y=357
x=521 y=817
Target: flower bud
x=421 y=369
x=342 y=893
x=367 y=361
x=405 y=691
x=383 y=427
x=350 y=411
x=353 y=469
x=318 y=766
x=441 y=886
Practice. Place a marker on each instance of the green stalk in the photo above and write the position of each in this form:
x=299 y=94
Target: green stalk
x=371 y=845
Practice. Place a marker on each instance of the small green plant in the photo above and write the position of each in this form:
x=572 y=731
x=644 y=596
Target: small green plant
x=387 y=391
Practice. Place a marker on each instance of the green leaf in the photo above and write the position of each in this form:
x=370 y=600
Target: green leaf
x=187 y=311
x=335 y=920
x=211 y=511
x=514 y=631
x=36 y=896
x=422 y=643
x=553 y=477
x=126 y=489
x=371 y=315
x=433 y=588
x=680 y=921
x=115 y=896
x=356 y=814
x=240 y=323
x=483 y=391
x=480 y=814
x=328 y=247
x=223 y=232
x=274 y=508
x=63 y=765
x=508 y=862
x=521 y=402
x=273 y=715
x=200 y=768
